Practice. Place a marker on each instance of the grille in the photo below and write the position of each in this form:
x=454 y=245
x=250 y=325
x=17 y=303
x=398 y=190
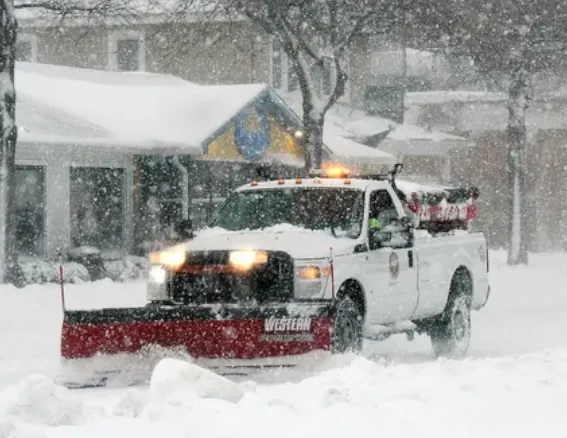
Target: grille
x=272 y=282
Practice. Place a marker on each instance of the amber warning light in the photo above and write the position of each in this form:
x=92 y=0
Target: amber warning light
x=334 y=172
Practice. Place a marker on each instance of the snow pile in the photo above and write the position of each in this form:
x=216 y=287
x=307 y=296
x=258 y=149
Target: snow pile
x=367 y=384
x=39 y=400
x=7 y=429
x=512 y=384
x=132 y=404
x=178 y=382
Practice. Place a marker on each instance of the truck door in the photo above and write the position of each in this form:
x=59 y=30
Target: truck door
x=391 y=269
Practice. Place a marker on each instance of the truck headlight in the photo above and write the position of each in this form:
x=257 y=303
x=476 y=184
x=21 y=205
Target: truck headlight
x=172 y=257
x=311 y=272
x=311 y=280
x=244 y=260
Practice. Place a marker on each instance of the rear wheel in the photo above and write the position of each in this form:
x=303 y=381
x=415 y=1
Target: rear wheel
x=452 y=336
x=347 y=328
x=450 y=332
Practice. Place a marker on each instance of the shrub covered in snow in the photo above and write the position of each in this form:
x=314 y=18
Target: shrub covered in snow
x=121 y=270
x=125 y=268
x=40 y=271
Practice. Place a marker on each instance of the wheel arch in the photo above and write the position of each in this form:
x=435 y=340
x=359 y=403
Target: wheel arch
x=461 y=283
x=353 y=289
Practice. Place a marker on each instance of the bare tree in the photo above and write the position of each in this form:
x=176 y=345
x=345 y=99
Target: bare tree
x=8 y=133
x=316 y=34
x=509 y=41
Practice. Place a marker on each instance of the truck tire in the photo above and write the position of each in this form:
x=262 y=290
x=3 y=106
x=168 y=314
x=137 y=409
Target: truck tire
x=347 y=328
x=451 y=333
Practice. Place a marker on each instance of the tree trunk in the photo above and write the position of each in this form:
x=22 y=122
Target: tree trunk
x=8 y=137
x=519 y=95
x=314 y=139
x=313 y=122
x=313 y=111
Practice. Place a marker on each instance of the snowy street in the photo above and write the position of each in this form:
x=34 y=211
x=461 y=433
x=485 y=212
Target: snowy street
x=513 y=383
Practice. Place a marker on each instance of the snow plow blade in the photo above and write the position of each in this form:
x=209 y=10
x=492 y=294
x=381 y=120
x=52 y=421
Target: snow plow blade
x=100 y=345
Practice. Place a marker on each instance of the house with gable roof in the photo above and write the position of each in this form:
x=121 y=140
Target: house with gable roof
x=112 y=160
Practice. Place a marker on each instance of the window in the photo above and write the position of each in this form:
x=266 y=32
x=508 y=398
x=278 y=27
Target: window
x=97 y=207
x=24 y=51
x=126 y=51
x=277 y=65
x=385 y=228
x=283 y=76
x=30 y=210
x=323 y=74
x=26 y=48
x=338 y=211
x=382 y=207
x=128 y=55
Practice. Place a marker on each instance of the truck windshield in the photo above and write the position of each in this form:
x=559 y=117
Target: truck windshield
x=338 y=210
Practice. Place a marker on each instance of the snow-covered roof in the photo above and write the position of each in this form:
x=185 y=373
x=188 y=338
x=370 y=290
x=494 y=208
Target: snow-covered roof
x=371 y=125
x=360 y=124
x=148 y=110
x=402 y=139
x=352 y=152
x=481 y=112
x=439 y=97
x=340 y=142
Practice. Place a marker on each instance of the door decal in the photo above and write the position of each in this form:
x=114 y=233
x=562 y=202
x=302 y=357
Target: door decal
x=394 y=266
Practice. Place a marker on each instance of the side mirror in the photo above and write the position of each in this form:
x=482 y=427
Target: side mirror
x=406 y=222
x=184 y=229
x=377 y=238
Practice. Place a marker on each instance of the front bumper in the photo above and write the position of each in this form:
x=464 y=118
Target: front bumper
x=205 y=331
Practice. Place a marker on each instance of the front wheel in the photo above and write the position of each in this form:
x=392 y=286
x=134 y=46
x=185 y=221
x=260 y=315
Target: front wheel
x=451 y=335
x=347 y=328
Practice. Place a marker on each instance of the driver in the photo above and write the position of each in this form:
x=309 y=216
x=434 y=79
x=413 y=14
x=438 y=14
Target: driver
x=374 y=224
x=382 y=211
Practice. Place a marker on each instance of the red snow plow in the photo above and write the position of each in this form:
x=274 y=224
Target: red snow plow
x=247 y=298
x=231 y=312
x=98 y=344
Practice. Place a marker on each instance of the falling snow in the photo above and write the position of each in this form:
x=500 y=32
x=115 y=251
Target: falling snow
x=134 y=126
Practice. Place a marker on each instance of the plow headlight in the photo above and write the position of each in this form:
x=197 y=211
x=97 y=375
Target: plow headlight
x=244 y=260
x=158 y=274
x=172 y=257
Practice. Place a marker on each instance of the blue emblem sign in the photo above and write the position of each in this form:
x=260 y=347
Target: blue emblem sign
x=252 y=134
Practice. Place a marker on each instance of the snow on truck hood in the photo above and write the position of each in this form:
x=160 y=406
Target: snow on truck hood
x=298 y=242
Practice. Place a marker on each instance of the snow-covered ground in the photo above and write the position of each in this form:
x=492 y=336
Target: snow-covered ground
x=514 y=382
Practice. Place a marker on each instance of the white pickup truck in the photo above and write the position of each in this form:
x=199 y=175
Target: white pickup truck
x=388 y=279
x=289 y=266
